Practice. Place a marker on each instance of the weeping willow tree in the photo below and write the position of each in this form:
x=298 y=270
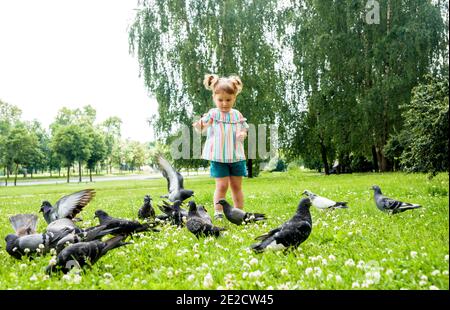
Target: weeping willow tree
x=177 y=42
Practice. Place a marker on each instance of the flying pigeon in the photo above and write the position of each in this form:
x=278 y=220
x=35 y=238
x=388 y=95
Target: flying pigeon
x=238 y=216
x=174 y=212
x=146 y=211
x=324 y=203
x=83 y=253
x=389 y=205
x=68 y=206
x=174 y=182
x=291 y=234
x=198 y=225
x=122 y=226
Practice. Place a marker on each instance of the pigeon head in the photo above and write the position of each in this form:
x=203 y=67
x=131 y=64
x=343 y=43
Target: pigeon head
x=224 y=204
x=185 y=194
x=100 y=214
x=10 y=238
x=307 y=192
x=192 y=205
x=376 y=188
x=147 y=198
x=304 y=203
x=46 y=207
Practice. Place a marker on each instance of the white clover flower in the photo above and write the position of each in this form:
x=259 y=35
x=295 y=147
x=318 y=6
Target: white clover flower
x=404 y=271
x=108 y=275
x=244 y=275
x=308 y=270
x=14 y=249
x=66 y=277
x=434 y=288
x=52 y=261
x=196 y=255
x=284 y=272
x=445 y=273
x=77 y=279
x=33 y=278
x=108 y=266
x=349 y=262
x=269 y=288
x=422 y=283
x=317 y=272
x=446 y=258
x=45 y=277
x=324 y=261
x=389 y=251
x=299 y=263
x=373 y=276
x=23 y=266
x=38 y=250
x=331 y=257
x=413 y=254
x=41 y=246
x=389 y=272
x=191 y=278
x=27 y=250
x=208 y=280
x=338 y=278
x=435 y=272
x=361 y=264
x=283 y=286
x=255 y=274
x=253 y=261
x=355 y=284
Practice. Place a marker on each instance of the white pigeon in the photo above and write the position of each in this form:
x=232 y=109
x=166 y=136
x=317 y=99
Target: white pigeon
x=324 y=203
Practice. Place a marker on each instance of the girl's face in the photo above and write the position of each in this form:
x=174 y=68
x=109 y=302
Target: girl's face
x=224 y=101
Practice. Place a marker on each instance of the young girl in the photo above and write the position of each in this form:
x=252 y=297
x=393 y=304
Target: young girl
x=224 y=147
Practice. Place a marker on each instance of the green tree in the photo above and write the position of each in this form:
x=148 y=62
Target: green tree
x=111 y=127
x=98 y=149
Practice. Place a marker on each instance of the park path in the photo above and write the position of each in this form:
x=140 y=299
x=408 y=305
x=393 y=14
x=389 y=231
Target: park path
x=98 y=179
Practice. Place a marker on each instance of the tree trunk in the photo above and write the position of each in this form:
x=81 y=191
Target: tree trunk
x=59 y=171
x=323 y=151
x=90 y=175
x=250 y=168
x=375 y=159
x=79 y=171
x=68 y=174
x=6 y=176
x=15 y=177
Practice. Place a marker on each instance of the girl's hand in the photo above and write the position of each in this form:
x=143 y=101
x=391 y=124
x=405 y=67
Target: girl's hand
x=242 y=135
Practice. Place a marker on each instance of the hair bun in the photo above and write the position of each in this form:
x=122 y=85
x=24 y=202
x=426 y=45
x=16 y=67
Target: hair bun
x=237 y=83
x=210 y=80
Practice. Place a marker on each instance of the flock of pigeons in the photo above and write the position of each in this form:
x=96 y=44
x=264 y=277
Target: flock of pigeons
x=77 y=247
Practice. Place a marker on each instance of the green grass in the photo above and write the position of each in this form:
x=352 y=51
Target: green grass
x=355 y=248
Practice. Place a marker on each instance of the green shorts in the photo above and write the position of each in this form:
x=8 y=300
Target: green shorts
x=220 y=170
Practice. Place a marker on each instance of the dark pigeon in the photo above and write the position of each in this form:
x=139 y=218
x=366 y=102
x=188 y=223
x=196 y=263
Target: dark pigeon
x=238 y=216
x=324 y=203
x=122 y=226
x=84 y=253
x=147 y=211
x=67 y=207
x=175 y=213
x=390 y=205
x=289 y=235
x=204 y=214
x=174 y=179
x=198 y=225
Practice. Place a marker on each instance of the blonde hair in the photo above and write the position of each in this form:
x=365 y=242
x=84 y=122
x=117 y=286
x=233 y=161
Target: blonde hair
x=231 y=85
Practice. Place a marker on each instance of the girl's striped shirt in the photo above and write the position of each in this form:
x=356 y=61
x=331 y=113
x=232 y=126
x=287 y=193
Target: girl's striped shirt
x=222 y=144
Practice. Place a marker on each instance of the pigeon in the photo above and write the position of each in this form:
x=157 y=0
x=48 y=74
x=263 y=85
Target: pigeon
x=122 y=226
x=83 y=253
x=290 y=234
x=24 y=224
x=238 y=216
x=67 y=207
x=146 y=211
x=198 y=225
x=175 y=212
x=204 y=214
x=389 y=205
x=33 y=243
x=324 y=203
x=174 y=182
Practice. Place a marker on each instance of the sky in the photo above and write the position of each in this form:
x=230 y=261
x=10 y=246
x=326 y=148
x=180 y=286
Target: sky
x=73 y=53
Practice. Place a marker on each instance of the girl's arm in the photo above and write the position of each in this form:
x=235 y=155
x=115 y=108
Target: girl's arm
x=201 y=126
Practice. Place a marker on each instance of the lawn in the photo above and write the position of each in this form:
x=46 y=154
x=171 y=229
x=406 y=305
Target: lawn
x=355 y=248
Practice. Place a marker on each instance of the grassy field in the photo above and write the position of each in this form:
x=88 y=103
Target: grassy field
x=355 y=248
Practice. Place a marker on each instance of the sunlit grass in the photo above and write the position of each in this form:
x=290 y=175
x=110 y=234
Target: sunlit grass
x=355 y=248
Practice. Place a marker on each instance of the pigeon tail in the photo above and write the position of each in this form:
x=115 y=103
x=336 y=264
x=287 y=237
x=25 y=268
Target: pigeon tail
x=114 y=242
x=261 y=246
x=341 y=205
x=24 y=224
x=254 y=217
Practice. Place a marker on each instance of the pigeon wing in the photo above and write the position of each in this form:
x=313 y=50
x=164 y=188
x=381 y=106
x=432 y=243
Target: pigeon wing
x=69 y=206
x=322 y=202
x=170 y=174
x=390 y=204
x=293 y=233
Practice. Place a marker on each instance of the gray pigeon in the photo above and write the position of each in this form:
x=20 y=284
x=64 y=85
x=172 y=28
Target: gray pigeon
x=175 y=212
x=390 y=205
x=31 y=243
x=198 y=225
x=68 y=206
x=238 y=216
x=174 y=179
x=324 y=203
x=289 y=235
x=122 y=226
x=83 y=253
x=147 y=211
